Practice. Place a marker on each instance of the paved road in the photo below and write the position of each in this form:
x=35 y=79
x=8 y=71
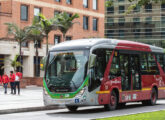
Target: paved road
x=83 y=113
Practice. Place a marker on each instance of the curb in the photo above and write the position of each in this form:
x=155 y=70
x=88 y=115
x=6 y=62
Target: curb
x=30 y=109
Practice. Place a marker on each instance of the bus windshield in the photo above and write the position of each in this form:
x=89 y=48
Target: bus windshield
x=66 y=70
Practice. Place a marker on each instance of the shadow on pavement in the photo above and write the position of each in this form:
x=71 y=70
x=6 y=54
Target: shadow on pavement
x=95 y=110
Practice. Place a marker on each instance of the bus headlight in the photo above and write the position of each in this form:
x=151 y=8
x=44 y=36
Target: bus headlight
x=81 y=92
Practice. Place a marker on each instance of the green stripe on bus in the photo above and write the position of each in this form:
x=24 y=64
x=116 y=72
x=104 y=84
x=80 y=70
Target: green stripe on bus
x=65 y=95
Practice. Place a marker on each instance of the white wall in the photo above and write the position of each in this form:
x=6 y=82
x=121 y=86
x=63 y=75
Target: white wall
x=9 y=49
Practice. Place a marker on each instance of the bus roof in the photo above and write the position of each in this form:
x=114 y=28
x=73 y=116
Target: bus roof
x=119 y=44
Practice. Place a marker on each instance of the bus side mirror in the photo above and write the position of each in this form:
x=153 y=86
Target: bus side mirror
x=92 y=61
x=92 y=64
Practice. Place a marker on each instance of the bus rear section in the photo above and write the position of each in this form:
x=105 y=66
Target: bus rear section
x=133 y=75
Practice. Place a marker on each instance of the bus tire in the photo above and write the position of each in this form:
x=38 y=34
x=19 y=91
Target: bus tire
x=72 y=108
x=113 y=102
x=153 y=98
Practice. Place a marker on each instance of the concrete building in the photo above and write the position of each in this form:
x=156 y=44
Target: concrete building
x=144 y=24
x=22 y=12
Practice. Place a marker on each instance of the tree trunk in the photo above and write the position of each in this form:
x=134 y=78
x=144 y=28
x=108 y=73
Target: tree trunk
x=64 y=37
x=37 y=59
x=20 y=56
x=47 y=44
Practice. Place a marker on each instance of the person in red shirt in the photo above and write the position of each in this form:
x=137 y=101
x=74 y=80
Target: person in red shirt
x=0 y=80
x=18 y=77
x=12 y=81
x=5 y=81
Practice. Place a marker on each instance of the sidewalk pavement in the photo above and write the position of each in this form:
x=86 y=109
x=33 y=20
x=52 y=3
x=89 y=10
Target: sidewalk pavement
x=30 y=99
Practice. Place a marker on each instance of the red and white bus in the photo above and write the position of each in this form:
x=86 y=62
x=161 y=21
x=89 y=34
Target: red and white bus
x=105 y=72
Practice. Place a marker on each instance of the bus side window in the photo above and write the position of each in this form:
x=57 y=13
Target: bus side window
x=144 y=66
x=164 y=63
x=159 y=58
x=152 y=65
x=115 y=68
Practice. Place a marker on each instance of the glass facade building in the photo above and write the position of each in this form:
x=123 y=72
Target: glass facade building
x=143 y=24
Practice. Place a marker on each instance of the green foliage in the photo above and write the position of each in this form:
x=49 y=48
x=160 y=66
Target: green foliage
x=18 y=33
x=64 y=22
x=35 y=31
x=47 y=26
x=14 y=63
x=109 y=3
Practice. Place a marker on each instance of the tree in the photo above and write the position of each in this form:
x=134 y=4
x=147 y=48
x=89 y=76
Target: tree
x=35 y=34
x=20 y=35
x=14 y=63
x=134 y=3
x=64 y=22
x=47 y=26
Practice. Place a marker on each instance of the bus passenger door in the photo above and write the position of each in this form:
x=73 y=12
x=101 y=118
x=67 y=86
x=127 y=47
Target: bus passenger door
x=135 y=71
x=130 y=72
x=125 y=78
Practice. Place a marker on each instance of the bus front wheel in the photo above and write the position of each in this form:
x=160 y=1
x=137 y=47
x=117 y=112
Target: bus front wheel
x=113 y=102
x=153 y=98
x=72 y=108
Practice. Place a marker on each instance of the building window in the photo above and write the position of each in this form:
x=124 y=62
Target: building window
x=136 y=21
x=163 y=19
x=110 y=33
x=121 y=33
x=137 y=9
x=24 y=44
x=58 y=0
x=163 y=6
x=56 y=12
x=69 y=2
x=148 y=33
x=24 y=12
x=121 y=21
x=57 y=39
x=69 y=14
x=148 y=8
x=110 y=10
x=95 y=24
x=85 y=22
x=37 y=11
x=38 y=43
x=95 y=4
x=120 y=0
x=163 y=33
x=0 y=7
x=121 y=9
x=148 y=20
x=85 y=3
x=37 y=66
x=136 y=33
x=68 y=38
x=110 y=21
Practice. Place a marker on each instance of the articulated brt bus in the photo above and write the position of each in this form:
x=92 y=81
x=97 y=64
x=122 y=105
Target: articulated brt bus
x=105 y=72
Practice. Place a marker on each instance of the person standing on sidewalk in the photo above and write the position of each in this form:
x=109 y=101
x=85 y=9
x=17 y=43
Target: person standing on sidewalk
x=0 y=80
x=5 y=81
x=18 y=77
x=12 y=81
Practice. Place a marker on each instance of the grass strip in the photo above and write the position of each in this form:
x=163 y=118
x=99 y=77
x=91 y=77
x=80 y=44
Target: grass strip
x=158 y=115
